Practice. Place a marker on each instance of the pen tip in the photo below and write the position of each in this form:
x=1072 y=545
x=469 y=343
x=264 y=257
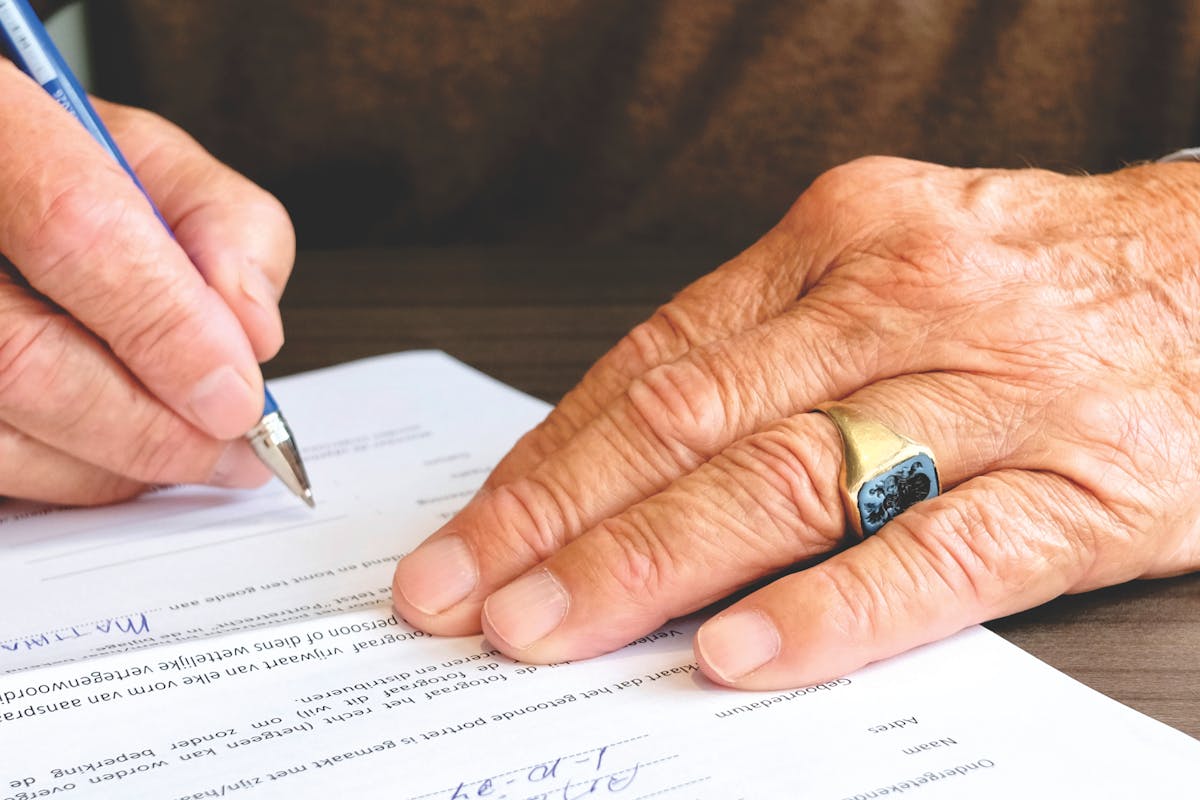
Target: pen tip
x=272 y=441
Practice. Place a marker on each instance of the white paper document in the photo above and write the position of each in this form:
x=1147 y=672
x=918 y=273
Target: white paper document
x=225 y=644
x=394 y=446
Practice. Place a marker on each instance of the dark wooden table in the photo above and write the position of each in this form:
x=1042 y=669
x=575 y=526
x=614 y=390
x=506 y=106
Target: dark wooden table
x=536 y=318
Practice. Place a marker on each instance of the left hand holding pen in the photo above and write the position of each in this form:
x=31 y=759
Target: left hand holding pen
x=1040 y=333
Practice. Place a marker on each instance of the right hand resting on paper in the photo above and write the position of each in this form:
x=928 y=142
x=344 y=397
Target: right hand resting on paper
x=128 y=358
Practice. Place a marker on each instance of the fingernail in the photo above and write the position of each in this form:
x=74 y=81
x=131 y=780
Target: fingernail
x=527 y=609
x=219 y=401
x=736 y=644
x=239 y=468
x=437 y=575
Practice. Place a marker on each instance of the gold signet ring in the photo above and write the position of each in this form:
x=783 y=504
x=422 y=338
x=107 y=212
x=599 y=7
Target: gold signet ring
x=883 y=473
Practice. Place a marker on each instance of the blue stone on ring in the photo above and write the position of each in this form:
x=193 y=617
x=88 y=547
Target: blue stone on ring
x=885 y=496
x=883 y=472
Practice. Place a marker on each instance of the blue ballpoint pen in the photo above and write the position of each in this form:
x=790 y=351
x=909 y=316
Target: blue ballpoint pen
x=31 y=49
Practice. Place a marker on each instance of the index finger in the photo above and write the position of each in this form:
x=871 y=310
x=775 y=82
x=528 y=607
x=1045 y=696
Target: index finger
x=82 y=234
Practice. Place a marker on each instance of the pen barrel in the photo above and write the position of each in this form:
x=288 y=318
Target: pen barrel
x=269 y=404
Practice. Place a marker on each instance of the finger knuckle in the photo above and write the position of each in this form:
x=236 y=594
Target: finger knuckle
x=563 y=422
x=148 y=325
x=132 y=119
x=798 y=477
x=632 y=559
x=77 y=223
x=1071 y=532
x=159 y=141
x=938 y=552
x=682 y=407
x=666 y=335
x=856 y=604
x=534 y=518
x=529 y=451
x=980 y=550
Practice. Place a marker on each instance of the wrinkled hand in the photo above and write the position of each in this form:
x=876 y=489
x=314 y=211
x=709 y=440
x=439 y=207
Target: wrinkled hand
x=1041 y=333
x=121 y=363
